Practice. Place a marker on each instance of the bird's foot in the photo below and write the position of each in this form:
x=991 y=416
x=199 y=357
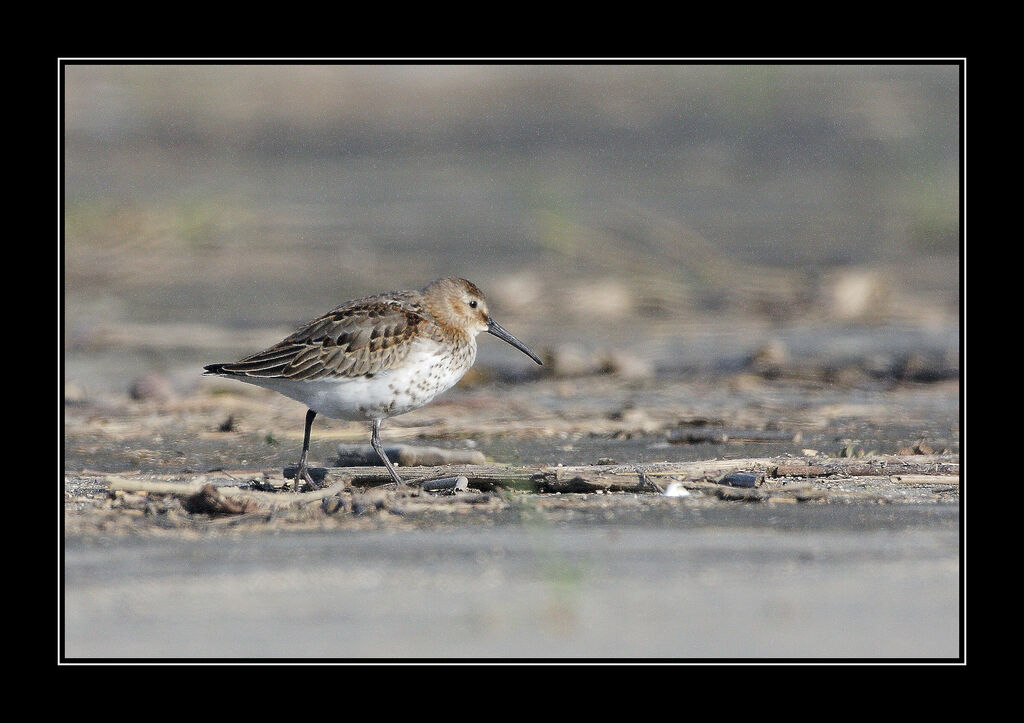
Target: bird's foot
x=303 y=477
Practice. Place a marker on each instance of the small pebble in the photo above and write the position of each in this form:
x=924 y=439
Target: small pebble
x=769 y=360
x=626 y=365
x=571 y=360
x=697 y=435
x=740 y=479
x=155 y=387
x=74 y=393
x=854 y=294
x=448 y=484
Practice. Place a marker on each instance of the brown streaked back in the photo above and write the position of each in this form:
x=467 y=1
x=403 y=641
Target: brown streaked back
x=360 y=337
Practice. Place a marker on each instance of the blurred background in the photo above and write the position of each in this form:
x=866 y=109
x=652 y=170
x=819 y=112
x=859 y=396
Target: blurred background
x=692 y=214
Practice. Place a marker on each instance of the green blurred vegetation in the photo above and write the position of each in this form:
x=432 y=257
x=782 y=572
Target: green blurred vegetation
x=262 y=194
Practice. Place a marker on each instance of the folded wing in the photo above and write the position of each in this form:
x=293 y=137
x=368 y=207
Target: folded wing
x=361 y=338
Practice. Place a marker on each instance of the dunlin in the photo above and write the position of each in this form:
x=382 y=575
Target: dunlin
x=375 y=357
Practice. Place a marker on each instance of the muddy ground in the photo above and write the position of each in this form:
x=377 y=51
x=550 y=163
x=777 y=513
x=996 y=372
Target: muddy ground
x=842 y=542
x=882 y=441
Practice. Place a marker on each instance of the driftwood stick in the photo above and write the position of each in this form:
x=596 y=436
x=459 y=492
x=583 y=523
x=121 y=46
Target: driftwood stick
x=631 y=477
x=269 y=500
x=908 y=470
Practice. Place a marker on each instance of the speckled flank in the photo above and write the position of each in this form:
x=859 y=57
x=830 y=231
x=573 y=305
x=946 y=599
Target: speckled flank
x=429 y=369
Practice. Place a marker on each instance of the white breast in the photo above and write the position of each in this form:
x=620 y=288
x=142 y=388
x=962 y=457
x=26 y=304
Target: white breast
x=429 y=369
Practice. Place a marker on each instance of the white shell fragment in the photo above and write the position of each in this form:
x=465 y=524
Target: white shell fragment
x=676 y=489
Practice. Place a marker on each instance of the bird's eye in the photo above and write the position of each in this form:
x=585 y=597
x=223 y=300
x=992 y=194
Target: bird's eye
x=472 y=304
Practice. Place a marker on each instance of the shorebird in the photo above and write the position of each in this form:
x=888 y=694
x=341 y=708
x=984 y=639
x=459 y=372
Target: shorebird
x=375 y=357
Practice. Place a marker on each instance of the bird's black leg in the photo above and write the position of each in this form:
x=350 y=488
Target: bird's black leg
x=379 y=449
x=302 y=473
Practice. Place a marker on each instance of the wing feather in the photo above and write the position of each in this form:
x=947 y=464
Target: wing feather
x=362 y=337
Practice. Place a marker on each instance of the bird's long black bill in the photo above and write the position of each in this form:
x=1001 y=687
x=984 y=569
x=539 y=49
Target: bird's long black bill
x=498 y=330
